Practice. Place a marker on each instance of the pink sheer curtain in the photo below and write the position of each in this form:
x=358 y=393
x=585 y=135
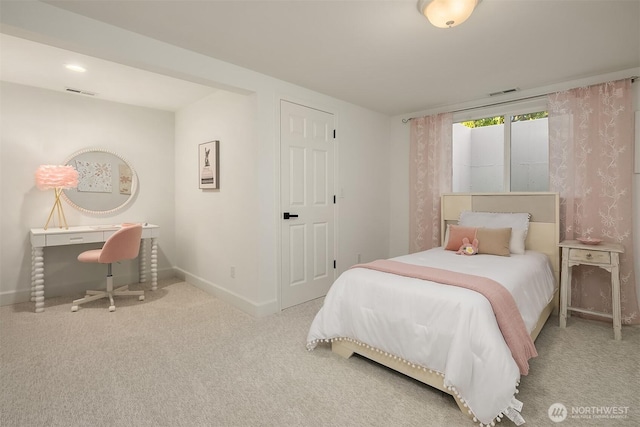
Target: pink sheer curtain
x=430 y=175
x=591 y=166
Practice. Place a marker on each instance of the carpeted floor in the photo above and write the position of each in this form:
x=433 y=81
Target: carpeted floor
x=185 y=358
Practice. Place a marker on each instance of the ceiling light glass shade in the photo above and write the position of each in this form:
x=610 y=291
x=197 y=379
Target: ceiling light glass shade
x=447 y=13
x=76 y=68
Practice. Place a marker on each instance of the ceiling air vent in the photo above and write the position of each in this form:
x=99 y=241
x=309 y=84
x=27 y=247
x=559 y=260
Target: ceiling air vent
x=80 y=92
x=502 y=92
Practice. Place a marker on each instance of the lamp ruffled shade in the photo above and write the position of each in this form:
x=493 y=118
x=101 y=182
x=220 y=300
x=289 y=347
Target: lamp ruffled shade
x=56 y=176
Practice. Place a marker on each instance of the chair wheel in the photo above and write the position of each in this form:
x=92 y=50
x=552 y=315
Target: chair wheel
x=74 y=308
x=141 y=298
x=112 y=308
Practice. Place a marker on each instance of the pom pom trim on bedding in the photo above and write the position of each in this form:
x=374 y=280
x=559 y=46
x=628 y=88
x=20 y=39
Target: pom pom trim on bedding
x=511 y=411
x=445 y=328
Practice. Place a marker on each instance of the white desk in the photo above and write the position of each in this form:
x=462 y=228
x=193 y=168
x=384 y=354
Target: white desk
x=41 y=238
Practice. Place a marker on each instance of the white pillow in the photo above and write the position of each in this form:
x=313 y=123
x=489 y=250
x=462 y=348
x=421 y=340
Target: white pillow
x=518 y=222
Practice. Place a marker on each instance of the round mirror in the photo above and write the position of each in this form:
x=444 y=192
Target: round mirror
x=106 y=181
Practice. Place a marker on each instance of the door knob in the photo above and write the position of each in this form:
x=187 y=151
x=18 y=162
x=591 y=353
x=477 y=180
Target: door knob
x=287 y=215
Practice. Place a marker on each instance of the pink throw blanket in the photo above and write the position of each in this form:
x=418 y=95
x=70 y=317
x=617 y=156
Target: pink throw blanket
x=504 y=306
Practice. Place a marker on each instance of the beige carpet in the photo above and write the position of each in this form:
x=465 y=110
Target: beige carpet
x=184 y=358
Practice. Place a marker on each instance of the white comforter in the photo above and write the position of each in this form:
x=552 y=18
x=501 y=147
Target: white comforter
x=445 y=328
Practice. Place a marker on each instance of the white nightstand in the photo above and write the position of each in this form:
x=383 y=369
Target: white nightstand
x=605 y=256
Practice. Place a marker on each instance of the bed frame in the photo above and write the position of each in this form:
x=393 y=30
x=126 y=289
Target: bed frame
x=543 y=236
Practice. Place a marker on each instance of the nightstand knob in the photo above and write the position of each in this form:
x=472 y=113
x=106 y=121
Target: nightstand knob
x=589 y=255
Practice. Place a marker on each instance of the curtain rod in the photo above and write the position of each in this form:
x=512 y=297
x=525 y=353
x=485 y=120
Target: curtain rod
x=483 y=106
x=633 y=79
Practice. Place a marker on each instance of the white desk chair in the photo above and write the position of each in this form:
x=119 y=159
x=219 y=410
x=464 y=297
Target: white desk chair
x=122 y=245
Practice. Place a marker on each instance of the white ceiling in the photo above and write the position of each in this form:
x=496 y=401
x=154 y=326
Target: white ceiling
x=384 y=55
x=34 y=64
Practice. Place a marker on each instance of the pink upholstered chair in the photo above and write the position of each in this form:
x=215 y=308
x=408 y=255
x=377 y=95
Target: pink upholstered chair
x=122 y=245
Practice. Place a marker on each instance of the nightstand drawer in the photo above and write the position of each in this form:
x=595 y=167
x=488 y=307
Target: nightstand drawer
x=588 y=256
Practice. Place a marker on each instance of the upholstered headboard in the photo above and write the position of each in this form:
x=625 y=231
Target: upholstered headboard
x=544 y=208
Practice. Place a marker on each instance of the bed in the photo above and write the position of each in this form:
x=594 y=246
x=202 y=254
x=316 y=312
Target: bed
x=446 y=336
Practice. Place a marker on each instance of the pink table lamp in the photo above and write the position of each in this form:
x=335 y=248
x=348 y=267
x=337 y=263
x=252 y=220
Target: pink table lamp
x=56 y=177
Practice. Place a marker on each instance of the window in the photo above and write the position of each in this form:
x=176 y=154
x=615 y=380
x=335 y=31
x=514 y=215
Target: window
x=501 y=153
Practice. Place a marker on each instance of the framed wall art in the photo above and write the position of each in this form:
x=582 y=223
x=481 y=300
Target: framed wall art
x=209 y=165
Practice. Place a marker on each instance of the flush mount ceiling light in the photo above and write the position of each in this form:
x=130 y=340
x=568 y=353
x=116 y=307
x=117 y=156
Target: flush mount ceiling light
x=75 y=67
x=447 y=13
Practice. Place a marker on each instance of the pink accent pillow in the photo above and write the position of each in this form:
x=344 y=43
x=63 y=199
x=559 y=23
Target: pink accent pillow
x=456 y=234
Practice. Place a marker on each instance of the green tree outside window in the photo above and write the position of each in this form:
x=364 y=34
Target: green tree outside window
x=499 y=120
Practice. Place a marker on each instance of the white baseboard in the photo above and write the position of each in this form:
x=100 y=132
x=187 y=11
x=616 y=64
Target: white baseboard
x=14 y=297
x=249 y=307
x=24 y=294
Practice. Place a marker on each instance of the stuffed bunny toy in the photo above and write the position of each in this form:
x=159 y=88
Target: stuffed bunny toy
x=468 y=248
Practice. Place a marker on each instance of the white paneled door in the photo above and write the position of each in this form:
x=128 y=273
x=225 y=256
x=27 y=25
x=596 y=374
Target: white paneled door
x=307 y=203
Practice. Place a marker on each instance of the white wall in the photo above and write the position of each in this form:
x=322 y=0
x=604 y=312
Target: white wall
x=487 y=154
x=363 y=186
x=530 y=155
x=221 y=233
x=216 y=229
x=478 y=157
x=461 y=158
x=363 y=150
x=39 y=126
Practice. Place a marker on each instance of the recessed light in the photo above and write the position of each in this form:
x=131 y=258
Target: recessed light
x=76 y=68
